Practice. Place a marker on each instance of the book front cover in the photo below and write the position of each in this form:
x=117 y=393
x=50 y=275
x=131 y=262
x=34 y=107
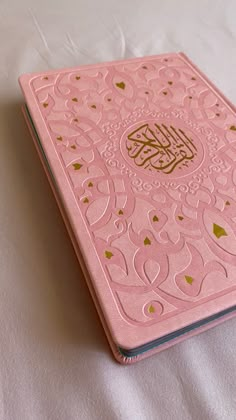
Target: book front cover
x=148 y=148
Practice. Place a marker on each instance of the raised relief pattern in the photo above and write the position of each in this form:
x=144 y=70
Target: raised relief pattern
x=149 y=151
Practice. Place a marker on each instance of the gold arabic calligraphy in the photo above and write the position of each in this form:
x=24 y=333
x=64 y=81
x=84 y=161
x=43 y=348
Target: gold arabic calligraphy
x=160 y=148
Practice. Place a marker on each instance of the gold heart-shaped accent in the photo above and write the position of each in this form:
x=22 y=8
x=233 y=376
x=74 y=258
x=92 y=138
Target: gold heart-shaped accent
x=75 y=120
x=59 y=138
x=180 y=217
x=189 y=279
x=147 y=241
x=93 y=106
x=121 y=85
x=45 y=104
x=74 y=99
x=164 y=93
x=120 y=212
x=170 y=83
x=155 y=219
x=219 y=231
x=151 y=309
x=227 y=203
x=90 y=184
x=108 y=255
x=45 y=78
x=86 y=200
x=73 y=147
x=77 y=77
x=77 y=166
x=233 y=128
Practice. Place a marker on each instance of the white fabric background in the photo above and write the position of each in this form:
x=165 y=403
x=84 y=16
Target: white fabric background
x=55 y=362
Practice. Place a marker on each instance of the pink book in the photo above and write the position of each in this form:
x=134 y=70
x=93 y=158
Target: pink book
x=141 y=157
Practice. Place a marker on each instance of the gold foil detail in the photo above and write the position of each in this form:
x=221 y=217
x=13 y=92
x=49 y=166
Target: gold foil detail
x=147 y=241
x=189 y=279
x=77 y=166
x=219 y=231
x=162 y=149
x=108 y=255
x=121 y=85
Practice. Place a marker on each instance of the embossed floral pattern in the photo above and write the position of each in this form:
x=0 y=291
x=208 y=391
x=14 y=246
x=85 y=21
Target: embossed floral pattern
x=150 y=151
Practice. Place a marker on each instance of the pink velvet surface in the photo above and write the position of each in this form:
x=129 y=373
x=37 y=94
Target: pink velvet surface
x=142 y=153
x=55 y=362
x=114 y=347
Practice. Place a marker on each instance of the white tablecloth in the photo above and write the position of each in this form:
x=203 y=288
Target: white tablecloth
x=55 y=362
